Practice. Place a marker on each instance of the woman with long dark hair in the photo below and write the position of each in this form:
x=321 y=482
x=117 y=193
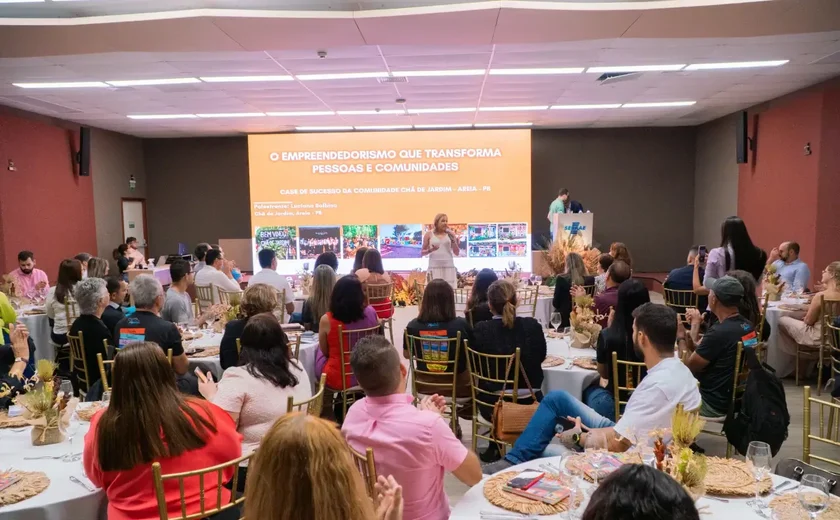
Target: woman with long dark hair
x=617 y=337
x=124 y=262
x=69 y=274
x=373 y=273
x=478 y=309
x=619 y=251
x=736 y=251
x=749 y=307
x=357 y=260
x=148 y=420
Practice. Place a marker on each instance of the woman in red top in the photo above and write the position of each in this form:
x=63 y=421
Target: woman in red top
x=148 y=421
x=373 y=273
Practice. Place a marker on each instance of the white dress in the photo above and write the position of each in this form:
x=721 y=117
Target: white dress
x=441 y=261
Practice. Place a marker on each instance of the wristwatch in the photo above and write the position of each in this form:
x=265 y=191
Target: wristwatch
x=576 y=438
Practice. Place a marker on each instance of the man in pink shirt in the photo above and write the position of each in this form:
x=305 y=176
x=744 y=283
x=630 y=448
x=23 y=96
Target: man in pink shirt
x=413 y=445
x=29 y=282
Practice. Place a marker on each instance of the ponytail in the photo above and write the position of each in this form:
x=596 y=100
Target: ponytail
x=501 y=296
x=509 y=315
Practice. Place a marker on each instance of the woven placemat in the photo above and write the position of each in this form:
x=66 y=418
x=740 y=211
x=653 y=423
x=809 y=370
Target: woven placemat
x=787 y=507
x=86 y=413
x=30 y=484
x=208 y=352
x=588 y=363
x=13 y=422
x=730 y=477
x=574 y=462
x=496 y=495
x=553 y=361
x=190 y=336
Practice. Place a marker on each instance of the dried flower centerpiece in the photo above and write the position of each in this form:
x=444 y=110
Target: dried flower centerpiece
x=555 y=254
x=404 y=293
x=305 y=277
x=583 y=319
x=678 y=459
x=513 y=274
x=45 y=408
x=773 y=283
x=467 y=279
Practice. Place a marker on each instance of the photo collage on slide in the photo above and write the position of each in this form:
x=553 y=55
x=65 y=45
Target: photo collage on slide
x=489 y=240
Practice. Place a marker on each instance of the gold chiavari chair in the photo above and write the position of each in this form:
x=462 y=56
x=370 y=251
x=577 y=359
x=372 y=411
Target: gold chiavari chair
x=204 y=297
x=829 y=309
x=71 y=310
x=296 y=351
x=633 y=375
x=313 y=405
x=208 y=486
x=832 y=333
x=367 y=467
x=229 y=297
x=347 y=340
x=681 y=301
x=280 y=309
x=196 y=309
x=78 y=362
x=526 y=302
x=103 y=374
x=470 y=318
x=826 y=434
x=381 y=298
x=739 y=383
x=462 y=296
x=238 y=346
x=419 y=290
x=590 y=289
x=763 y=317
x=490 y=370
x=435 y=360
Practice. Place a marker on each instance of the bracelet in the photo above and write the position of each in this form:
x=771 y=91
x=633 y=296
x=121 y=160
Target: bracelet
x=21 y=360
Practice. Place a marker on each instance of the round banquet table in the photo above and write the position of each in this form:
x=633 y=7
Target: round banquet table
x=471 y=505
x=63 y=499
x=573 y=380
x=783 y=363
x=39 y=330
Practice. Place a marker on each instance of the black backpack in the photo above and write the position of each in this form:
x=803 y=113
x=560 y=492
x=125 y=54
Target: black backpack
x=763 y=414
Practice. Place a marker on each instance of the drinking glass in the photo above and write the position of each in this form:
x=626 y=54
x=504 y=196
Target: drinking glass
x=537 y=280
x=758 y=459
x=813 y=494
x=556 y=320
x=66 y=387
x=106 y=396
x=595 y=446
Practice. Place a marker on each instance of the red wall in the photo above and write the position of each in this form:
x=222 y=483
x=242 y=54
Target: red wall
x=828 y=205
x=44 y=206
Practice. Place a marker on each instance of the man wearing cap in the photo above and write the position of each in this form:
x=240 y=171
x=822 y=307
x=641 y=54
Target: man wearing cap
x=713 y=360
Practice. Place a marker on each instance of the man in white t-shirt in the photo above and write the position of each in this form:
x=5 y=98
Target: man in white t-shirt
x=268 y=275
x=668 y=383
x=217 y=274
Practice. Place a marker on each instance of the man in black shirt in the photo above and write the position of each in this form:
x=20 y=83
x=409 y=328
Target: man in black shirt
x=117 y=289
x=713 y=361
x=91 y=295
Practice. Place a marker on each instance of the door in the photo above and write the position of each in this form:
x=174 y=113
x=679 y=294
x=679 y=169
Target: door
x=134 y=222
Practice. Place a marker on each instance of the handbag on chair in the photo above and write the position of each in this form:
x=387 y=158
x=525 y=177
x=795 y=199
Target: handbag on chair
x=509 y=418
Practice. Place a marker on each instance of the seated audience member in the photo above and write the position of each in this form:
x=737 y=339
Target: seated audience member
x=348 y=309
x=134 y=253
x=713 y=360
x=619 y=251
x=574 y=276
x=257 y=299
x=124 y=263
x=373 y=273
x=234 y=270
x=117 y=290
x=616 y=275
x=216 y=274
x=437 y=320
x=358 y=259
x=8 y=319
x=256 y=392
x=178 y=307
x=97 y=267
x=69 y=274
x=478 y=309
x=268 y=275
x=749 y=307
x=91 y=295
x=311 y=453
x=84 y=258
x=12 y=374
x=681 y=279
x=148 y=420
x=617 y=337
x=200 y=253
x=327 y=258
x=604 y=263
x=147 y=325
x=790 y=268
x=318 y=303
x=28 y=280
x=807 y=332
x=668 y=383
x=415 y=446
x=639 y=492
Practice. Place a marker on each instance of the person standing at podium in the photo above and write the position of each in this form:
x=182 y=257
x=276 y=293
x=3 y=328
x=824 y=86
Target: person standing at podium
x=442 y=247
x=572 y=206
x=557 y=206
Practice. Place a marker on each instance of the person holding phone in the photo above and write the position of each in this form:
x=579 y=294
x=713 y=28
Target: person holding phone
x=680 y=279
x=441 y=245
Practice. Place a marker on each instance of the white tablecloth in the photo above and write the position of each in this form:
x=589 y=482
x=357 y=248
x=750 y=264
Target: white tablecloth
x=573 y=380
x=39 y=330
x=473 y=502
x=63 y=499
x=783 y=363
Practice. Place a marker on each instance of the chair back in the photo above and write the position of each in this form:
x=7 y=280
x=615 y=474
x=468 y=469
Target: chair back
x=419 y=290
x=832 y=334
x=526 y=301
x=280 y=309
x=462 y=296
x=229 y=297
x=680 y=301
x=488 y=371
x=296 y=350
x=210 y=480
x=470 y=318
x=311 y=406
x=238 y=346
x=196 y=309
x=78 y=363
x=829 y=310
x=827 y=432
x=590 y=289
x=763 y=317
x=633 y=376
x=367 y=467
x=380 y=296
x=347 y=340
x=435 y=360
x=204 y=297
x=71 y=310
x=103 y=374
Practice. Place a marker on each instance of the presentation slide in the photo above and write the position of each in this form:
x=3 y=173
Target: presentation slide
x=318 y=192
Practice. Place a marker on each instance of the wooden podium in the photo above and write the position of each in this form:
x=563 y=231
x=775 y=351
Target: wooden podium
x=577 y=225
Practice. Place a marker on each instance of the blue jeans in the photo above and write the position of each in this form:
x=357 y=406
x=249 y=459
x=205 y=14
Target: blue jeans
x=601 y=400
x=539 y=432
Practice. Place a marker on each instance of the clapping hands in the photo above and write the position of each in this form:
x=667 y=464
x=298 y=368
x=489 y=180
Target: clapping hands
x=433 y=403
x=389 y=499
x=694 y=316
x=577 y=291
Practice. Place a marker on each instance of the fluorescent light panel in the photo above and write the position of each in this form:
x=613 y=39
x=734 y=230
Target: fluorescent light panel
x=22 y=1
x=243 y=79
x=636 y=68
x=384 y=127
x=162 y=116
x=512 y=109
x=343 y=75
x=536 y=71
x=586 y=107
x=440 y=110
x=736 y=65
x=438 y=73
x=305 y=113
x=323 y=128
x=370 y=112
x=63 y=84
x=500 y=125
x=148 y=82
x=457 y=125
x=233 y=114
x=660 y=104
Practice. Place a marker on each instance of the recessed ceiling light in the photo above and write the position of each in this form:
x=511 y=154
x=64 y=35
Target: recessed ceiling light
x=637 y=68
x=343 y=75
x=456 y=125
x=162 y=116
x=660 y=104
x=148 y=82
x=500 y=125
x=243 y=79
x=440 y=110
x=525 y=72
x=512 y=109
x=22 y=1
x=384 y=127
x=434 y=73
x=736 y=65
x=309 y=113
x=323 y=128
x=370 y=112
x=585 y=107
x=62 y=84
x=234 y=114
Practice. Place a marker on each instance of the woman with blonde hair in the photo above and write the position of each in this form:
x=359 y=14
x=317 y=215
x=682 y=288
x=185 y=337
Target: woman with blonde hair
x=575 y=276
x=97 y=267
x=318 y=303
x=441 y=245
x=304 y=471
x=256 y=299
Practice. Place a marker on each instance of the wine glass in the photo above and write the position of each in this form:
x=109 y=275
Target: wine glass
x=813 y=494
x=556 y=320
x=66 y=387
x=595 y=446
x=537 y=280
x=106 y=396
x=758 y=459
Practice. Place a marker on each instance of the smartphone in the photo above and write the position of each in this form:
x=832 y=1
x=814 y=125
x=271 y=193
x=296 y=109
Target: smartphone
x=701 y=254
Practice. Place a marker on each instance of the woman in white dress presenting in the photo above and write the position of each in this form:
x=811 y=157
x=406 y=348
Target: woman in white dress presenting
x=442 y=247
